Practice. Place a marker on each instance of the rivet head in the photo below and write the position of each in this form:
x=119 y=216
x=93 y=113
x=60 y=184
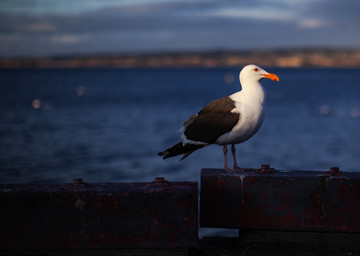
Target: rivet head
x=265 y=166
x=159 y=180
x=78 y=181
x=334 y=170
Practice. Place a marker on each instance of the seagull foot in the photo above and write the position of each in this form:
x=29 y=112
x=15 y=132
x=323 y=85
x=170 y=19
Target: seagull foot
x=236 y=169
x=239 y=169
x=229 y=170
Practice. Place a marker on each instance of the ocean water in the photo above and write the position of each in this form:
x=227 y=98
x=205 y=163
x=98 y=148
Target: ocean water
x=107 y=125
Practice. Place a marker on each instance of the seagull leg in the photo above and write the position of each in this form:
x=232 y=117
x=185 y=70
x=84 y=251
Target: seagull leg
x=236 y=167
x=226 y=168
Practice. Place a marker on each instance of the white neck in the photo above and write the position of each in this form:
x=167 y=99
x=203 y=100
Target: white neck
x=252 y=91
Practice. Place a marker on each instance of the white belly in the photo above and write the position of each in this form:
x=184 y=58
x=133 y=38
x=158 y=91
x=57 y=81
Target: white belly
x=251 y=119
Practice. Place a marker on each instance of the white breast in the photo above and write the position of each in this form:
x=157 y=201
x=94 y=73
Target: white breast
x=250 y=106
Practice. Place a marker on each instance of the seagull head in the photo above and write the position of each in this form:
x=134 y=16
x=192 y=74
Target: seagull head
x=252 y=73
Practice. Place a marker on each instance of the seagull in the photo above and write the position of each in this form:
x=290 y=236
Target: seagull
x=229 y=120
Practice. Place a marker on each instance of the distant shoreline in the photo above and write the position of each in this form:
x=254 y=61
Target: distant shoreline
x=273 y=58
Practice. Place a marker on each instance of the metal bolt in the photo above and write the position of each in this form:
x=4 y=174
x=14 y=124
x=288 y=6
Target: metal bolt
x=265 y=167
x=78 y=181
x=159 y=180
x=334 y=171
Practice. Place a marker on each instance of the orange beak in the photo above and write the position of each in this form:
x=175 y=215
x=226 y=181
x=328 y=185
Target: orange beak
x=271 y=76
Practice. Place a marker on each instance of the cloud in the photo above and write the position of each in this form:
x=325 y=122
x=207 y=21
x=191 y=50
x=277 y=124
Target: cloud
x=311 y=23
x=39 y=27
x=48 y=7
x=339 y=14
x=141 y=26
x=268 y=13
x=69 y=38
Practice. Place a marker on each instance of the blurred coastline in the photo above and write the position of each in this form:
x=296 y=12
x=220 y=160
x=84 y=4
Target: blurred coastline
x=340 y=58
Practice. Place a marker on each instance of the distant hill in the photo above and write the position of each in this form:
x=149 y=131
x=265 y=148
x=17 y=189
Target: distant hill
x=273 y=58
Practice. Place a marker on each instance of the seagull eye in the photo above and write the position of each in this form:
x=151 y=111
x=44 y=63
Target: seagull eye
x=256 y=69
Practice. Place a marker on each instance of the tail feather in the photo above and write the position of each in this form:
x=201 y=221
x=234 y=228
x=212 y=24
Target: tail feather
x=179 y=149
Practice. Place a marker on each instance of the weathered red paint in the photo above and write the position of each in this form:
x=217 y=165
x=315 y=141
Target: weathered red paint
x=279 y=200
x=342 y=203
x=112 y=215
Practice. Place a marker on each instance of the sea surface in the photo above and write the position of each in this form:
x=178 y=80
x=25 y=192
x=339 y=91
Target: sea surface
x=107 y=125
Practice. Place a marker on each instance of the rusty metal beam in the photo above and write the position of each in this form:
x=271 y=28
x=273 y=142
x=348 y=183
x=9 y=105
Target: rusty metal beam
x=158 y=214
x=266 y=199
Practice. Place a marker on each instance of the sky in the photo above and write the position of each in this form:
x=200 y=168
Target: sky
x=37 y=28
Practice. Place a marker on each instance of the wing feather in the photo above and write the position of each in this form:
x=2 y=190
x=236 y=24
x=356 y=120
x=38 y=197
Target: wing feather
x=214 y=120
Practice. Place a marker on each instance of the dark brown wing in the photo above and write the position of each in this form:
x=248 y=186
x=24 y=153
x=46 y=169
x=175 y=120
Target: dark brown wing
x=212 y=121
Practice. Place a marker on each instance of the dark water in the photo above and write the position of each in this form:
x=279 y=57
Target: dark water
x=107 y=125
